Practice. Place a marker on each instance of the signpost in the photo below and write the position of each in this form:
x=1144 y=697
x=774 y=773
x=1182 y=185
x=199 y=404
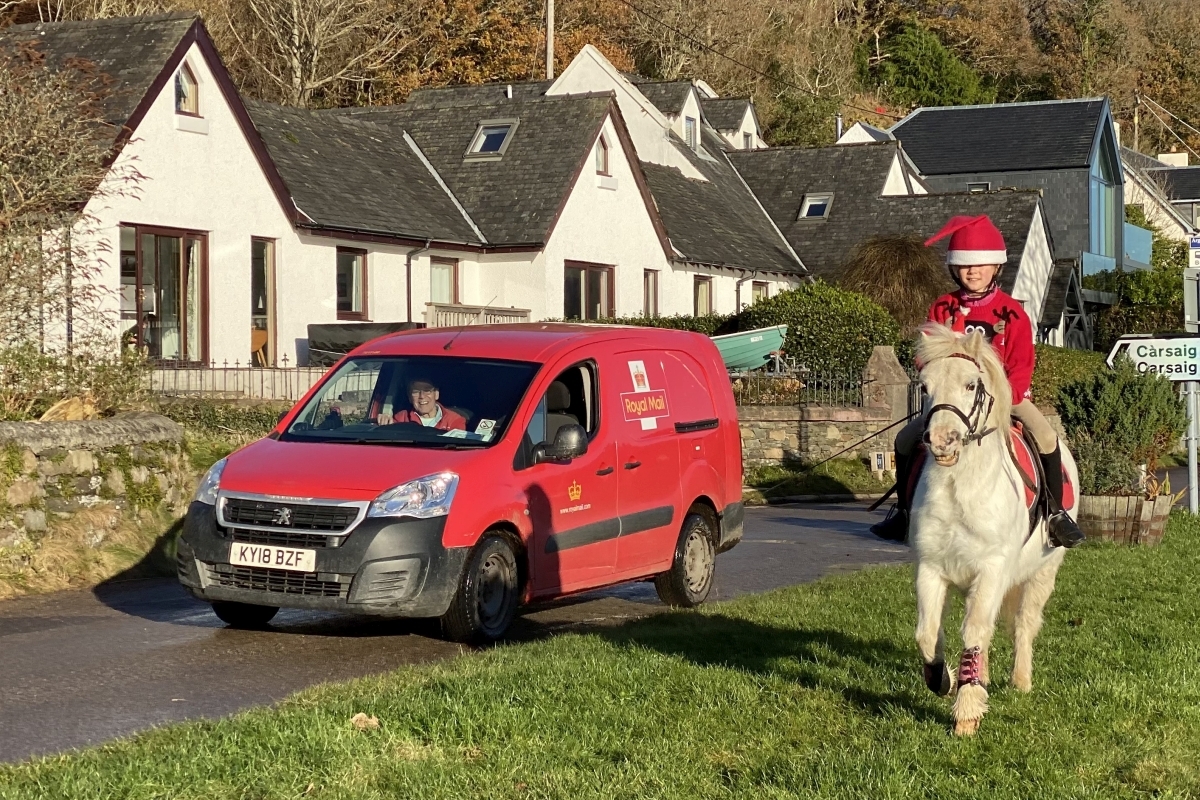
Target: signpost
x=1176 y=357
x=1194 y=252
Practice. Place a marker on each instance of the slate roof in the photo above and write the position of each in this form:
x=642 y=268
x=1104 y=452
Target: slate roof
x=355 y=175
x=451 y=96
x=1182 y=184
x=720 y=222
x=1132 y=158
x=725 y=113
x=513 y=200
x=1056 y=134
x=667 y=96
x=1056 y=293
x=132 y=51
x=855 y=174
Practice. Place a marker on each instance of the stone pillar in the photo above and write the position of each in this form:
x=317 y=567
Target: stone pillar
x=885 y=383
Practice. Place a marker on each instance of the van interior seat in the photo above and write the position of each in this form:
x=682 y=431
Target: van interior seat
x=558 y=401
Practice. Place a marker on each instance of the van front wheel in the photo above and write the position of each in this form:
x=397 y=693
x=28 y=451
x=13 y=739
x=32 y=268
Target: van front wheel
x=244 y=615
x=487 y=596
x=687 y=583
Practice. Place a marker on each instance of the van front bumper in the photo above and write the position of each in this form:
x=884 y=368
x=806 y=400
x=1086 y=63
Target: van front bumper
x=390 y=567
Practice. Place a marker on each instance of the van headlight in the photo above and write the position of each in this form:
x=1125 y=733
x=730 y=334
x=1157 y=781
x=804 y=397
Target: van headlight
x=206 y=492
x=423 y=498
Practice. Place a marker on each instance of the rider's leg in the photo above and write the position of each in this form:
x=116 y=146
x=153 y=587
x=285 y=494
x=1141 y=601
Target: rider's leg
x=895 y=527
x=1064 y=532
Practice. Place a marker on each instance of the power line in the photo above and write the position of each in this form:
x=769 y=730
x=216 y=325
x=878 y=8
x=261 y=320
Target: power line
x=746 y=66
x=1166 y=111
x=1172 y=130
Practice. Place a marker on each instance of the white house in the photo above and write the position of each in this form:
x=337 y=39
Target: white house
x=1147 y=186
x=251 y=221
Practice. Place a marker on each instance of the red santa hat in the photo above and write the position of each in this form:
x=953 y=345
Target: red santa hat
x=973 y=240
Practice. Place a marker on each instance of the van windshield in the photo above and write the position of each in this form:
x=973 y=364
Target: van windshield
x=415 y=401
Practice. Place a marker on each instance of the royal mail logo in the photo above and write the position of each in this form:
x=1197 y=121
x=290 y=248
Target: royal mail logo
x=644 y=405
x=574 y=491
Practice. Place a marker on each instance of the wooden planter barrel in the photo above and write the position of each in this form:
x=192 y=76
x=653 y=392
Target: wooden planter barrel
x=1125 y=520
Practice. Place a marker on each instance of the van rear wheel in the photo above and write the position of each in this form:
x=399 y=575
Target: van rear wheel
x=244 y=615
x=487 y=596
x=687 y=583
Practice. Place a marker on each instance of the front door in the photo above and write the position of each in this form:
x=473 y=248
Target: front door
x=648 y=460
x=572 y=506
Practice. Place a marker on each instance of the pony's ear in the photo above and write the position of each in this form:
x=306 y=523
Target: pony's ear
x=974 y=343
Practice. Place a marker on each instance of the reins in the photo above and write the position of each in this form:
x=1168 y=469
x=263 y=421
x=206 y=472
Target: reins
x=976 y=416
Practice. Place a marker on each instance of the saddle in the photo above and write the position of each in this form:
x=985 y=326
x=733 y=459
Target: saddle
x=1023 y=451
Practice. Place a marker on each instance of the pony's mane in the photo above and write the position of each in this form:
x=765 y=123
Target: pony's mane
x=937 y=341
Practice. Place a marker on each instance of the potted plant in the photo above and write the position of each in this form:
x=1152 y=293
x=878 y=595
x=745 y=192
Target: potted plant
x=1120 y=424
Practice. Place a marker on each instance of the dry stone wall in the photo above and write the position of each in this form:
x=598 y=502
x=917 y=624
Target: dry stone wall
x=51 y=471
x=791 y=435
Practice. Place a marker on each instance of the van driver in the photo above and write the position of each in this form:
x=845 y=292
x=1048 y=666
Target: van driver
x=423 y=394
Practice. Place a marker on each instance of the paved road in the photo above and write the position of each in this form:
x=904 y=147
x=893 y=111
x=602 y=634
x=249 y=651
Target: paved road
x=78 y=668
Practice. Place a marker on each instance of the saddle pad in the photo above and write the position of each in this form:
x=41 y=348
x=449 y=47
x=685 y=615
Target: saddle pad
x=1025 y=463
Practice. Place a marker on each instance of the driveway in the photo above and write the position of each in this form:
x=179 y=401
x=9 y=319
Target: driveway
x=79 y=668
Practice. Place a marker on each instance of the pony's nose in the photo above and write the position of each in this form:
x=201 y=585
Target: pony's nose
x=944 y=439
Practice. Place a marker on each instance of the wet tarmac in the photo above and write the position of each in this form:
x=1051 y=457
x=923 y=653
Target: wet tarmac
x=80 y=668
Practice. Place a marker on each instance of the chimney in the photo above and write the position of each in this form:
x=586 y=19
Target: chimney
x=508 y=91
x=1173 y=159
x=837 y=126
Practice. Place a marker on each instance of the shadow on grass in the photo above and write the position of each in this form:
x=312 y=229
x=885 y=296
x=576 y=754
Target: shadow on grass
x=802 y=656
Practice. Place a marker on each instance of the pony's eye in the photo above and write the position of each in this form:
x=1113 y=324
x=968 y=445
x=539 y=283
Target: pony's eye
x=971 y=386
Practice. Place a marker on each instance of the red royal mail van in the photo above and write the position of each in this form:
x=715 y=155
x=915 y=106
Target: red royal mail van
x=457 y=473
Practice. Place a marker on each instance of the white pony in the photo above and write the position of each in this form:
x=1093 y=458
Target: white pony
x=969 y=525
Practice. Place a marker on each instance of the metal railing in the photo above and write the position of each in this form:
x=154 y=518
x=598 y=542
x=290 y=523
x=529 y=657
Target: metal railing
x=802 y=388
x=236 y=381
x=452 y=315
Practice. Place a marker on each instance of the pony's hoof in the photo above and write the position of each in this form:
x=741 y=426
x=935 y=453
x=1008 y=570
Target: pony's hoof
x=937 y=678
x=966 y=727
x=1022 y=684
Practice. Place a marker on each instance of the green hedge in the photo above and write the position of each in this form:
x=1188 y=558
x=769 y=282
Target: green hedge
x=1117 y=420
x=223 y=418
x=1058 y=366
x=829 y=329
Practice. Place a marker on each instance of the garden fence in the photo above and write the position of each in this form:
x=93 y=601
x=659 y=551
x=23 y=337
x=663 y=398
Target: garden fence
x=236 y=381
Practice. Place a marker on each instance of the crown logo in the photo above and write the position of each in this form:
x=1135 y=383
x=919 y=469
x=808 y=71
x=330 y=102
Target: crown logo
x=575 y=491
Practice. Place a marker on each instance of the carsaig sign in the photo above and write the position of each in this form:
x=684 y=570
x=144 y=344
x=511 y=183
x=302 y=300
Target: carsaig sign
x=1175 y=357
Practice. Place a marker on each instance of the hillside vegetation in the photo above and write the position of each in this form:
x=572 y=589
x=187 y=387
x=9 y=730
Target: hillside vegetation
x=802 y=60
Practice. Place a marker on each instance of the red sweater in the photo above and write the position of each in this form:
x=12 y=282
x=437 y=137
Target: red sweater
x=450 y=421
x=1003 y=322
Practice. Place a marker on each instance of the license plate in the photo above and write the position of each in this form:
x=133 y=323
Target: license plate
x=265 y=555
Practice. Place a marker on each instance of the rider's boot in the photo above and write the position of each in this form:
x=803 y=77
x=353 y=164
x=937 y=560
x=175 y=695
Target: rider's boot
x=894 y=527
x=1064 y=532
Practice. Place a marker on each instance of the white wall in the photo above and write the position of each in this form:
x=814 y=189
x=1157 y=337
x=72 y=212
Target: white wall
x=1036 y=265
x=1157 y=213
x=591 y=72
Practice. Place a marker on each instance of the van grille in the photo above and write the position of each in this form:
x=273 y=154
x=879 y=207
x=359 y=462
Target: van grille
x=282 y=538
x=274 y=581
x=294 y=516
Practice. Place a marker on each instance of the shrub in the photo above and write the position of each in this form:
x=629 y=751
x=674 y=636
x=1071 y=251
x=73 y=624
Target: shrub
x=829 y=329
x=1058 y=366
x=1117 y=420
x=31 y=381
x=241 y=420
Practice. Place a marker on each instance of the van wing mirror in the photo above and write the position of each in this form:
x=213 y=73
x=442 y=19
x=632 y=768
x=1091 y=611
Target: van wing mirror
x=569 y=442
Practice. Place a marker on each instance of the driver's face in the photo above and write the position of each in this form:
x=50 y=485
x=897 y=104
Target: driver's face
x=424 y=397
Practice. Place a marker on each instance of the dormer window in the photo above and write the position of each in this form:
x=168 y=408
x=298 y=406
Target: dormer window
x=816 y=206
x=747 y=141
x=492 y=139
x=187 y=92
x=601 y=156
x=689 y=131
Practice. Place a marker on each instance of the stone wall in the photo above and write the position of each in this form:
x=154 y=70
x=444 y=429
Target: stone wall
x=50 y=471
x=794 y=434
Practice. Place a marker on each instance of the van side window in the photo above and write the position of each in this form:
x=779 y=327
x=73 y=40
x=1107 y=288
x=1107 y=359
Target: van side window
x=570 y=400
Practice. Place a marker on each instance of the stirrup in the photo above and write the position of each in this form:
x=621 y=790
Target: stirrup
x=894 y=527
x=1064 y=531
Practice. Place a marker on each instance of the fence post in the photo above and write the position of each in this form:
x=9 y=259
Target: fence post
x=885 y=383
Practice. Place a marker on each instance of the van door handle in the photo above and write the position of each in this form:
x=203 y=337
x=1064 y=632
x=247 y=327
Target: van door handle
x=605 y=471
x=632 y=464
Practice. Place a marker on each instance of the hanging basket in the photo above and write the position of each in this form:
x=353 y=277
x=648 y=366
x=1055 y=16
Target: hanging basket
x=1124 y=520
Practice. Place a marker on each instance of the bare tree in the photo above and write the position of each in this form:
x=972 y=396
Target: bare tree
x=301 y=47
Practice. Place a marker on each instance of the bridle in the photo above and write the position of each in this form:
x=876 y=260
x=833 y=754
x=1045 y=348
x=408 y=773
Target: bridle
x=977 y=416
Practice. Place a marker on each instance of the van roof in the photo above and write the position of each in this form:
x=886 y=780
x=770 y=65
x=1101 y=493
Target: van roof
x=533 y=341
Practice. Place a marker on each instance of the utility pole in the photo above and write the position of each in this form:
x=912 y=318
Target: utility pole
x=1137 y=103
x=549 y=40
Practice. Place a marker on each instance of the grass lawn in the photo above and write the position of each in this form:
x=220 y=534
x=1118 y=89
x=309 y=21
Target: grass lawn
x=812 y=691
x=837 y=476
